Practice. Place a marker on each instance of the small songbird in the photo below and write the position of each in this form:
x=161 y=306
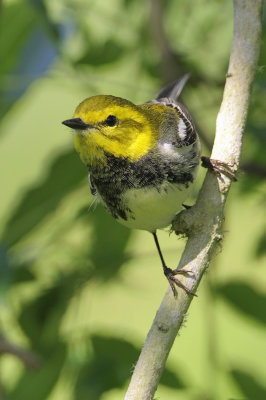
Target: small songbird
x=142 y=159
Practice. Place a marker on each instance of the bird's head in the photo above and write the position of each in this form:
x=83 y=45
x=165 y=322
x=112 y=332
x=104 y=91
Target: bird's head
x=111 y=125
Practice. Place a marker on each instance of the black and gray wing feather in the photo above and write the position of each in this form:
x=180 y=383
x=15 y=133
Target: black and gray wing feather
x=168 y=96
x=92 y=187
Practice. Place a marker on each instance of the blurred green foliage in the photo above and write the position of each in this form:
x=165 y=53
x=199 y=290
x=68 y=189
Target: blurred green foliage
x=76 y=288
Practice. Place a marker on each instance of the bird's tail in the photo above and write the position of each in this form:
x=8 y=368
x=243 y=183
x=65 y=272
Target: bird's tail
x=174 y=89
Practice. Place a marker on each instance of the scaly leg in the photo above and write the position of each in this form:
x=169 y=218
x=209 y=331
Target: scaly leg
x=170 y=274
x=219 y=167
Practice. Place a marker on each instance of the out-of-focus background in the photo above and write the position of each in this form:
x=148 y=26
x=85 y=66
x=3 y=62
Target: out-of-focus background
x=78 y=291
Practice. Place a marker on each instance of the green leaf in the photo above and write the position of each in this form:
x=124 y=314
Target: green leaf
x=40 y=319
x=261 y=246
x=245 y=299
x=22 y=274
x=109 y=240
x=25 y=55
x=5 y=271
x=172 y=380
x=250 y=388
x=110 y=367
x=39 y=383
x=16 y=30
x=64 y=175
x=97 y=55
x=45 y=21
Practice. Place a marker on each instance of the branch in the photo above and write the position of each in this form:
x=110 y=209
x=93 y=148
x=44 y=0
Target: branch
x=173 y=65
x=203 y=222
x=27 y=357
x=170 y=61
x=250 y=168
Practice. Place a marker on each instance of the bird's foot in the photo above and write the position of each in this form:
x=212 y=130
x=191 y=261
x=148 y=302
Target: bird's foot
x=173 y=281
x=218 y=167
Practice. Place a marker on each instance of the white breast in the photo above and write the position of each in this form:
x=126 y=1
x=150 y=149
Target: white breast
x=151 y=208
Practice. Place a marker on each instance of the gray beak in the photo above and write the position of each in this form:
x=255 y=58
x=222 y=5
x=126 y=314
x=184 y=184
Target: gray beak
x=76 y=123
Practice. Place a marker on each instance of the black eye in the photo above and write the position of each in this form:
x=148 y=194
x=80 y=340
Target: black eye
x=111 y=120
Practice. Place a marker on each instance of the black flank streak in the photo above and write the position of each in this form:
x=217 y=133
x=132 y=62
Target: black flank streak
x=150 y=170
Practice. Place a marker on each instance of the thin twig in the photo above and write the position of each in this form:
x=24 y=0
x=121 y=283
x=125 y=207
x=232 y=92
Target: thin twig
x=202 y=223
x=170 y=60
x=26 y=356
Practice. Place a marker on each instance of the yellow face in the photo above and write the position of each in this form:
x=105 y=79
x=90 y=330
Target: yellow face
x=116 y=126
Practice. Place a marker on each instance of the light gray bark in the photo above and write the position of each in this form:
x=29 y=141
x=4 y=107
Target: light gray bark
x=203 y=222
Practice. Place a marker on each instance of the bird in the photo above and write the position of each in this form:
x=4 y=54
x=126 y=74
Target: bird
x=142 y=159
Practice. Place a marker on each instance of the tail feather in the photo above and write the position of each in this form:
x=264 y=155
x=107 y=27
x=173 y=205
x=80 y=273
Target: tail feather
x=174 y=89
